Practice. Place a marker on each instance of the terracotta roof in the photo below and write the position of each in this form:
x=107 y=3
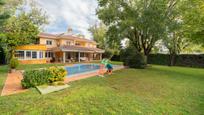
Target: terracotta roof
x=77 y=49
x=46 y=35
x=63 y=36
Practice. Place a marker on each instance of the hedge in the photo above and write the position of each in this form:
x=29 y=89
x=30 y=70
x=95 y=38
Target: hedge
x=187 y=60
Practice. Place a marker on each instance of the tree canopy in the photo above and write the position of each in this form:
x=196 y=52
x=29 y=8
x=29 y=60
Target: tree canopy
x=99 y=33
x=22 y=27
x=142 y=22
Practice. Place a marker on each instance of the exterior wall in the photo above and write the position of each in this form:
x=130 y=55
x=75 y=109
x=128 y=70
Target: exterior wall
x=37 y=48
x=90 y=45
x=37 y=61
x=64 y=42
x=43 y=42
x=83 y=44
x=32 y=47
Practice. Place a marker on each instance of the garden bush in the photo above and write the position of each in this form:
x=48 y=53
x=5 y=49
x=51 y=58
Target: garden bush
x=135 y=60
x=51 y=75
x=58 y=74
x=34 y=78
x=132 y=59
x=13 y=63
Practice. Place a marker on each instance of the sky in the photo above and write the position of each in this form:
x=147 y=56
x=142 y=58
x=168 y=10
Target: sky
x=76 y=14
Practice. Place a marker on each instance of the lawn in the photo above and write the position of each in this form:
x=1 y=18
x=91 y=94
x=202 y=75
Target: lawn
x=155 y=90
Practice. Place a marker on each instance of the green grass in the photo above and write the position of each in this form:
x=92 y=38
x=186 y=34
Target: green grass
x=3 y=74
x=155 y=90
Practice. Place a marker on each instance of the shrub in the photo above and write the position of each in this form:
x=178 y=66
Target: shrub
x=34 y=78
x=58 y=74
x=132 y=59
x=52 y=75
x=135 y=60
x=13 y=63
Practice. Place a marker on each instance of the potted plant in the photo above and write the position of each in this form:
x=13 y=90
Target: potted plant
x=13 y=64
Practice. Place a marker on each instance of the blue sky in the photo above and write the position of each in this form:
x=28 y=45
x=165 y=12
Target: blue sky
x=77 y=14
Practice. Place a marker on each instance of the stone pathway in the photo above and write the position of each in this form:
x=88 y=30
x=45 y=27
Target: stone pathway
x=13 y=84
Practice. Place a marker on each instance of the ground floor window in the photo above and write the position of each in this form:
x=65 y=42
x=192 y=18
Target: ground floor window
x=48 y=54
x=19 y=54
x=34 y=54
x=29 y=55
x=40 y=54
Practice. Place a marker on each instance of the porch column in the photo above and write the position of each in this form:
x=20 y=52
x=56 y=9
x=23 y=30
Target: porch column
x=79 y=56
x=100 y=56
x=64 y=61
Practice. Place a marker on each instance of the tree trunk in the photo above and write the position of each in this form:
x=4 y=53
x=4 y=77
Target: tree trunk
x=172 y=57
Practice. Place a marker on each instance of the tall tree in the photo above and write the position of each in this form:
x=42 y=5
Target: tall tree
x=141 y=21
x=185 y=22
x=193 y=19
x=7 y=9
x=23 y=28
x=99 y=35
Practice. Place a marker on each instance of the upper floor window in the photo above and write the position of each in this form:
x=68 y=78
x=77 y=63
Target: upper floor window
x=68 y=43
x=49 y=42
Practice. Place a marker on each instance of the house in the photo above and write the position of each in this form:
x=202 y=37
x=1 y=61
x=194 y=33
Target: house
x=65 y=47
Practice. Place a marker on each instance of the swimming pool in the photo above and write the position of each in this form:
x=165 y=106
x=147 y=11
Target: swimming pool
x=81 y=68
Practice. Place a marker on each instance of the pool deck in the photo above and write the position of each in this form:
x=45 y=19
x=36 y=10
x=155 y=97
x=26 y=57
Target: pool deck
x=12 y=84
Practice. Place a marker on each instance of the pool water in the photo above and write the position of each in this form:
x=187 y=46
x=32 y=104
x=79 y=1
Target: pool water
x=81 y=68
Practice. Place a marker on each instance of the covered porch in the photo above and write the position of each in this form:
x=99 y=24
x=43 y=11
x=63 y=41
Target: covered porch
x=69 y=54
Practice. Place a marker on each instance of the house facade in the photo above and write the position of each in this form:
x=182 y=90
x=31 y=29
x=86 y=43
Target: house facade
x=62 y=48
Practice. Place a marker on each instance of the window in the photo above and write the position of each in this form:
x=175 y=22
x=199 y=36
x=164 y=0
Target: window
x=68 y=43
x=34 y=54
x=82 y=54
x=40 y=54
x=49 y=42
x=48 y=54
x=19 y=54
x=28 y=55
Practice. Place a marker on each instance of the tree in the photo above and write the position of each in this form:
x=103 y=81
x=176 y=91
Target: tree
x=7 y=9
x=193 y=19
x=184 y=25
x=22 y=28
x=99 y=35
x=142 y=22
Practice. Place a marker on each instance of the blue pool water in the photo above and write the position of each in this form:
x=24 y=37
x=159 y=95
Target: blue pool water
x=81 y=68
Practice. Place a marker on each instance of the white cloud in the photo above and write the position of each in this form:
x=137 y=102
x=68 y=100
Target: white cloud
x=78 y=14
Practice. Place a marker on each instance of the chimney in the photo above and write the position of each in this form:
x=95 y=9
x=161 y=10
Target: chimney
x=69 y=30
